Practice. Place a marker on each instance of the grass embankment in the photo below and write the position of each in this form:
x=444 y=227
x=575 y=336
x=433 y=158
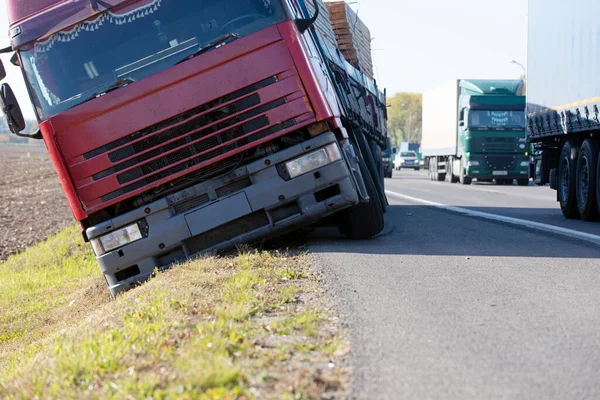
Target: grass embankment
x=253 y=325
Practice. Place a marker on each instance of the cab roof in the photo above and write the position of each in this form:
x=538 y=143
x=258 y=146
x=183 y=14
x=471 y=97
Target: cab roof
x=32 y=19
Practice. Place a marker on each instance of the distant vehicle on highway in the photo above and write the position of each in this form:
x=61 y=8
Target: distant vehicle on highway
x=563 y=117
x=475 y=129
x=407 y=160
x=387 y=158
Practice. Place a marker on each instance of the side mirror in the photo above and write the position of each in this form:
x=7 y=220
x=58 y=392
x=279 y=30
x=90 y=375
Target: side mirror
x=11 y=109
x=305 y=23
x=13 y=114
x=2 y=71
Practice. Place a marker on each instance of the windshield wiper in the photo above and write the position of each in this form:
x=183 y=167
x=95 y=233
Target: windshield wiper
x=113 y=86
x=230 y=37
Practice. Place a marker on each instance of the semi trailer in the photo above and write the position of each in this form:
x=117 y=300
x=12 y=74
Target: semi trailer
x=183 y=127
x=563 y=100
x=475 y=129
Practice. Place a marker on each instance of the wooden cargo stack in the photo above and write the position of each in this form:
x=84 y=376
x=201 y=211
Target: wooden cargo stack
x=339 y=25
x=352 y=35
x=323 y=23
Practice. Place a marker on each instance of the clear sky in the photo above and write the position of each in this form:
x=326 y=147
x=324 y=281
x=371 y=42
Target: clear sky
x=420 y=44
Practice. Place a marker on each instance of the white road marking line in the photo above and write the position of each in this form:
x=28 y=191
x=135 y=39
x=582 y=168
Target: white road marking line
x=513 y=221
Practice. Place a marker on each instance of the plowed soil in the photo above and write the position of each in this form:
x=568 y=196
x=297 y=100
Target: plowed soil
x=32 y=203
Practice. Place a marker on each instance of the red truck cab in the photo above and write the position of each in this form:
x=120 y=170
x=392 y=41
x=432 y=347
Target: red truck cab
x=181 y=127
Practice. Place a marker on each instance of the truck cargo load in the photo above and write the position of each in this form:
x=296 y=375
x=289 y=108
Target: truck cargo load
x=563 y=103
x=475 y=129
x=340 y=27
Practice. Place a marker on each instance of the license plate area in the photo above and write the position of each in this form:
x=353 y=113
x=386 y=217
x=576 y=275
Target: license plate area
x=500 y=173
x=217 y=214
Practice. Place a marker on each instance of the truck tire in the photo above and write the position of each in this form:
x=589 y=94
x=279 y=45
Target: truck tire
x=364 y=220
x=450 y=177
x=587 y=167
x=567 y=177
x=463 y=178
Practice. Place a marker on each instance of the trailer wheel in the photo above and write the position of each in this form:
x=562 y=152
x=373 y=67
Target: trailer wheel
x=567 y=176
x=587 y=164
x=450 y=177
x=364 y=220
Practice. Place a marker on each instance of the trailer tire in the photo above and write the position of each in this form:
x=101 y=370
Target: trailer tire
x=567 y=177
x=450 y=177
x=587 y=168
x=364 y=220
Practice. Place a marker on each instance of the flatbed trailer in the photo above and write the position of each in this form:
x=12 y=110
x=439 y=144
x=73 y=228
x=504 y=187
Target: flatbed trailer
x=563 y=100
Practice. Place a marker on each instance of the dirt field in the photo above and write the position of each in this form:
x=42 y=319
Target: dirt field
x=32 y=203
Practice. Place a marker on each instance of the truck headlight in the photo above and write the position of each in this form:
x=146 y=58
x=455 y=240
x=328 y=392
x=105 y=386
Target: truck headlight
x=473 y=164
x=385 y=159
x=116 y=239
x=312 y=161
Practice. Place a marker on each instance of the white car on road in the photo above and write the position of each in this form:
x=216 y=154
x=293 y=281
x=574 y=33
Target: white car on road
x=407 y=159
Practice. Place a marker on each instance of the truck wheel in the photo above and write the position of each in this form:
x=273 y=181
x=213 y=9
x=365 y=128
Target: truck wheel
x=587 y=164
x=463 y=178
x=523 y=182
x=450 y=177
x=567 y=176
x=364 y=220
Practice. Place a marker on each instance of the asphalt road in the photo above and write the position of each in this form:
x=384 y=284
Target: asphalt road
x=449 y=306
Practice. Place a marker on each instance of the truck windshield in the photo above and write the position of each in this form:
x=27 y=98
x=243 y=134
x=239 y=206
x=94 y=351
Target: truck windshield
x=496 y=119
x=132 y=42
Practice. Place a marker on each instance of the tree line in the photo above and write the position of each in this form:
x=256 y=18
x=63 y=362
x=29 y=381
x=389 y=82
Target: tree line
x=405 y=118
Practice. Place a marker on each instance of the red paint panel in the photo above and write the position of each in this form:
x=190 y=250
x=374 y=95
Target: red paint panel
x=289 y=32
x=78 y=132
x=88 y=168
x=63 y=175
x=96 y=190
x=304 y=120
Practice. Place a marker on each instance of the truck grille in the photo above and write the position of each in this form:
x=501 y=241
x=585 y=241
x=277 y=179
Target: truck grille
x=496 y=143
x=500 y=162
x=189 y=139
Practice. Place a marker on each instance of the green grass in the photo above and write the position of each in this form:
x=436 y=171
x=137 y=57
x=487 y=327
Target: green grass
x=235 y=327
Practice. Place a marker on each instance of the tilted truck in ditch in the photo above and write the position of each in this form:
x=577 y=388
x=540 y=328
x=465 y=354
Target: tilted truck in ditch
x=563 y=101
x=475 y=129
x=181 y=127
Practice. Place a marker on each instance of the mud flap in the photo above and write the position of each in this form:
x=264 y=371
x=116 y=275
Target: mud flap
x=352 y=160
